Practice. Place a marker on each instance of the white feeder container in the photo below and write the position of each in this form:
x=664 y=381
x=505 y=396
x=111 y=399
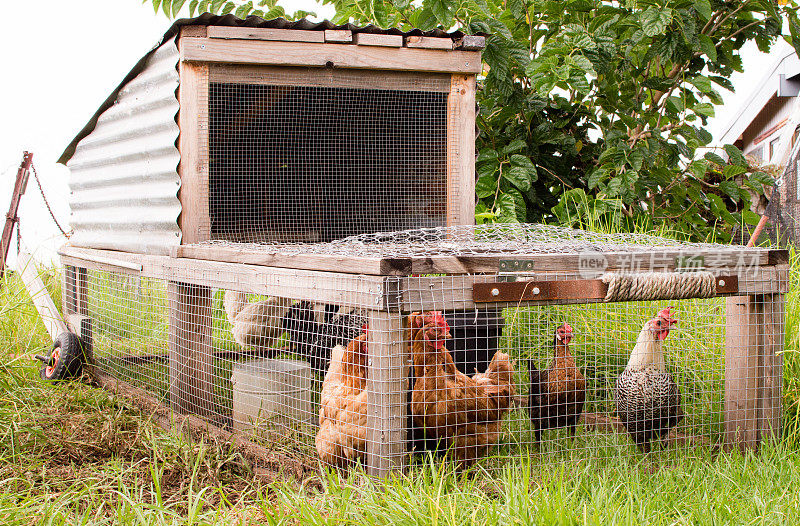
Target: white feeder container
x=271 y=393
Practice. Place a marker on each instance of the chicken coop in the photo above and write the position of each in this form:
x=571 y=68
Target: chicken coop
x=273 y=241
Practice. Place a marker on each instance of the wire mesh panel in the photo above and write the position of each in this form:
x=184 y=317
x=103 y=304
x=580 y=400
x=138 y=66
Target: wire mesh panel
x=315 y=156
x=478 y=368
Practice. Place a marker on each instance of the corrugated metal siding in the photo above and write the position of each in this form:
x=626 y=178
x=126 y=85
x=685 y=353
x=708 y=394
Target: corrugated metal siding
x=124 y=180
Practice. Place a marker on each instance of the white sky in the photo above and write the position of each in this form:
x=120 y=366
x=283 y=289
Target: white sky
x=62 y=59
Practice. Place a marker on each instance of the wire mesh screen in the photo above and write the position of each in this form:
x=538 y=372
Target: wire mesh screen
x=306 y=157
x=783 y=210
x=350 y=381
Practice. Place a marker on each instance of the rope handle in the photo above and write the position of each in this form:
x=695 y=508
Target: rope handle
x=659 y=285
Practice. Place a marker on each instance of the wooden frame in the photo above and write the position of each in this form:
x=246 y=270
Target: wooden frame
x=755 y=324
x=328 y=54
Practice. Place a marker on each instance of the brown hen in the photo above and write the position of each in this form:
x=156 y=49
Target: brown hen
x=464 y=413
x=341 y=438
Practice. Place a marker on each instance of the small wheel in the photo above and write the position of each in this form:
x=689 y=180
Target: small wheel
x=65 y=360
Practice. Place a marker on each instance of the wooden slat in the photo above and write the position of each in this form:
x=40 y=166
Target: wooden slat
x=191 y=366
x=39 y=296
x=330 y=263
x=456 y=292
x=194 y=219
x=339 y=36
x=656 y=260
x=371 y=39
x=741 y=419
x=387 y=384
x=578 y=289
x=329 y=287
x=330 y=78
x=471 y=43
x=461 y=150
x=257 y=33
x=429 y=42
x=321 y=55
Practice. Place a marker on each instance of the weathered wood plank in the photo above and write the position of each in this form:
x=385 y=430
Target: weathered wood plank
x=429 y=42
x=331 y=263
x=41 y=299
x=191 y=366
x=741 y=411
x=258 y=33
x=387 y=384
x=371 y=39
x=321 y=55
x=461 y=150
x=194 y=219
x=456 y=292
x=330 y=78
x=471 y=43
x=339 y=36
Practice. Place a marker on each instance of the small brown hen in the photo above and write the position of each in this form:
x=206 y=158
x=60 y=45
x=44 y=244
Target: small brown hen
x=463 y=413
x=558 y=393
x=341 y=438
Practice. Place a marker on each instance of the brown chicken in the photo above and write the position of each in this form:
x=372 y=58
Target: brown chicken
x=558 y=393
x=463 y=413
x=341 y=438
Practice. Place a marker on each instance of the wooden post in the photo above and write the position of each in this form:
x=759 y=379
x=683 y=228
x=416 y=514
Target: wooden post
x=193 y=122
x=191 y=381
x=772 y=366
x=461 y=150
x=753 y=370
x=75 y=306
x=386 y=395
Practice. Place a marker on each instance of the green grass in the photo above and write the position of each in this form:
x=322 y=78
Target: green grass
x=73 y=454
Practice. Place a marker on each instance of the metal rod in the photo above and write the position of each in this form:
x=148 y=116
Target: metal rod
x=11 y=216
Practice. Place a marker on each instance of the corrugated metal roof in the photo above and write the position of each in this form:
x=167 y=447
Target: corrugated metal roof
x=123 y=175
x=207 y=19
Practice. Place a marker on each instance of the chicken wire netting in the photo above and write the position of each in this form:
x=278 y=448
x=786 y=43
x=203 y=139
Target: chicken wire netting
x=481 y=387
x=299 y=156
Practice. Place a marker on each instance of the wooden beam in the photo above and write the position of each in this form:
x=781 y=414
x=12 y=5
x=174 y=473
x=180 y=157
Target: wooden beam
x=741 y=409
x=338 y=36
x=429 y=42
x=309 y=285
x=20 y=183
x=328 y=263
x=257 y=33
x=191 y=365
x=461 y=150
x=330 y=78
x=327 y=55
x=371 y=39
x=387 y=385
x=194 y=219
x=458 y=292
x=471 y=42
x=41 y=299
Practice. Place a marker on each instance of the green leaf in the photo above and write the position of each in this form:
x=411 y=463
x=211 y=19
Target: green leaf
x=176 y=7
x=655 y=20
x=243 y=10
x=514 y=146
x=230 y=6
x=731 y=189
x=485 y=186
x=714 y=158
x=521 y=173
x=156 y=5
x=216 y=5
x=193 y=7
x=441 y=11
x=707 y=46
x=165 y=7
x=703 y=8
x=735 y=155
x=486 y=154
x=732 y=170
x=705 y=109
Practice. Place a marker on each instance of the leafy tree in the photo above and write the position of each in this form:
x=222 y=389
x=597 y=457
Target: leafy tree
x=596 y=109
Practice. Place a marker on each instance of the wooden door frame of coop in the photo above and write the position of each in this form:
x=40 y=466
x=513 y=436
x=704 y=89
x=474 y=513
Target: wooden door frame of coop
x=204 y=58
